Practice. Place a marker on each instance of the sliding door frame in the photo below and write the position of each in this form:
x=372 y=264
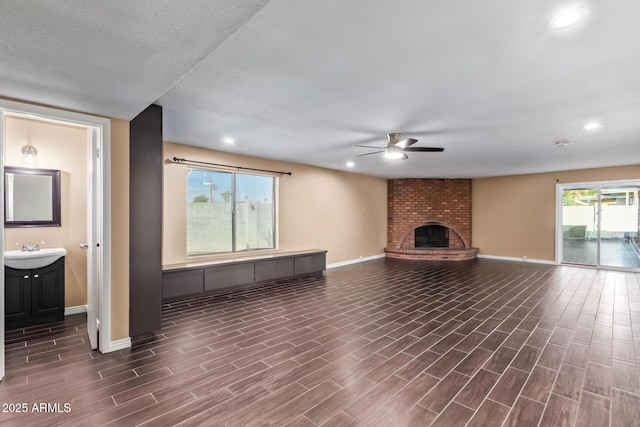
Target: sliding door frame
x=596 y=185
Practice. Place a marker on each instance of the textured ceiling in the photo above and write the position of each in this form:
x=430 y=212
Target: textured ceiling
x=111 y=58
x=303 y=81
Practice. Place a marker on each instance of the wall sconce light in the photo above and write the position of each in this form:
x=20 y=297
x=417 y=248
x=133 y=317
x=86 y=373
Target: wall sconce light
x=29 y=153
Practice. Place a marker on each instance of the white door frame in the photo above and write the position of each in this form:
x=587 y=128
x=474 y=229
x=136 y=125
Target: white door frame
x=93 y=239
x=598 y=185
x=103 y=259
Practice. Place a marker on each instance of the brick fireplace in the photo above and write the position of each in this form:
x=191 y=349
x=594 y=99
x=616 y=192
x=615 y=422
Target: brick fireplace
x=429 y=219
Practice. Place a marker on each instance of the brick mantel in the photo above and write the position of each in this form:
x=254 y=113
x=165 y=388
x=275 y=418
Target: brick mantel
x=413 y=203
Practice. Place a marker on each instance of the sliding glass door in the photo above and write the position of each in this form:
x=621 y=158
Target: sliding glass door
x=619 y=226
x=580 y=226
x=599 y=224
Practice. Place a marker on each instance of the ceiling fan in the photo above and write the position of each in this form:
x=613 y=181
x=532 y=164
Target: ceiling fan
x=397 y=149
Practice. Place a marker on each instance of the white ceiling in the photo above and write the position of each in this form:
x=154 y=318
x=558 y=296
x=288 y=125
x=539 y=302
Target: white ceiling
x=304 y=80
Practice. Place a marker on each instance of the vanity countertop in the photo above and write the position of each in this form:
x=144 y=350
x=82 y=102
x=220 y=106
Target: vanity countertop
x=25 y=260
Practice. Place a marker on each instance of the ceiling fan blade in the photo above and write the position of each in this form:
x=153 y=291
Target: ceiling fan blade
x=368 y=154
x=425 y=149
x=406 y=142
x=367 y=146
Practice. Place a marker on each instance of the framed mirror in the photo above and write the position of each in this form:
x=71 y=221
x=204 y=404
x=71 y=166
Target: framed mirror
x=31 y=197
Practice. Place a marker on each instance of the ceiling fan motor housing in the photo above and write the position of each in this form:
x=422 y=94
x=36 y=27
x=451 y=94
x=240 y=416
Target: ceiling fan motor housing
x=393 y=138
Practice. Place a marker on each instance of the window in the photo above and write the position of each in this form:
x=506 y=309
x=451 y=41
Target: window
x=229 y=212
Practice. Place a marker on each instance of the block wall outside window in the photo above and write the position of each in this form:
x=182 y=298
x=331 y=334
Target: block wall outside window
x=229 y=212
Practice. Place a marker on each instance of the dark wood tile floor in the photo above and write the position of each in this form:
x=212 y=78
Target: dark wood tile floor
x=383 y=343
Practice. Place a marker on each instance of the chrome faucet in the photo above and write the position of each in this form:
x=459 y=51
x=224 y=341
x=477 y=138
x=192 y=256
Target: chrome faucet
x=30 y=247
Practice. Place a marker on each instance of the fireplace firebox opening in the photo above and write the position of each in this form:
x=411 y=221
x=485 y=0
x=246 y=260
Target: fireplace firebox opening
x=431 y=236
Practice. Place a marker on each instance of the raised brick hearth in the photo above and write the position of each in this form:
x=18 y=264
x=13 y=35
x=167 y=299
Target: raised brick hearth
x=414 y=203
x=433 y=254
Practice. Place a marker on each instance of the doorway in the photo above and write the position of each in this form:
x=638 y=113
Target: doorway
x=598 y=224
x=97 y=244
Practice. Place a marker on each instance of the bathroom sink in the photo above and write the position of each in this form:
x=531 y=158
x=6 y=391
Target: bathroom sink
x=34 y=259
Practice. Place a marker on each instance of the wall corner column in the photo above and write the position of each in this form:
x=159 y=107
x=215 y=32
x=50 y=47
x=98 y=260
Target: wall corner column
x=145 y=235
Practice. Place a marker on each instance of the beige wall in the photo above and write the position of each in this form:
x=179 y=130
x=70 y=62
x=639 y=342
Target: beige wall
x=514 y=216
x=63 y=147
x=344 y=213
x=119 y=229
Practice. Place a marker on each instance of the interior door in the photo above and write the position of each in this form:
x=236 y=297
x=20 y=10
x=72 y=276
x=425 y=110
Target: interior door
x=92 y=244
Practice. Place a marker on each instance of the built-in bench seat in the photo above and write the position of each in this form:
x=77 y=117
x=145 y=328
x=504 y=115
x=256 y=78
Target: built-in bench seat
x=203 y=277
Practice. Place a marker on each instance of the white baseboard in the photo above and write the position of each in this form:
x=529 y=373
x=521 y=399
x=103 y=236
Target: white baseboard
x=516 y=259
x=354 y=261
x=118 y=345
x=113 y=345
x=78 y=309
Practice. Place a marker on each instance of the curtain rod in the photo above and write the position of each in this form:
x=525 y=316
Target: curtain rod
x=185 y=161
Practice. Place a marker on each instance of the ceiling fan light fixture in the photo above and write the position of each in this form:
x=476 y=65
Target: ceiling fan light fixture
x=396 y=149
x=394 y=153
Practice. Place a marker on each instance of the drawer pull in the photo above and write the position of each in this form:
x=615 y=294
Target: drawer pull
x=26 y=277
x=36 y=275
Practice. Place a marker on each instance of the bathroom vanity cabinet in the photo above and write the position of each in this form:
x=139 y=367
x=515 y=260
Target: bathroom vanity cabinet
x=34 y=296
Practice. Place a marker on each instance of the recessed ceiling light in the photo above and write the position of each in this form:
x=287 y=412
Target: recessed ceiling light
x=592 y=125
x=566 y=19
x=350 y=164
x=229 y=141
x=562 y=143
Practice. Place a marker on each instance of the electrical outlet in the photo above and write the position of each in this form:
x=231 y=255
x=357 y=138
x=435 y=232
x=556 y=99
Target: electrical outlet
x=524 y=258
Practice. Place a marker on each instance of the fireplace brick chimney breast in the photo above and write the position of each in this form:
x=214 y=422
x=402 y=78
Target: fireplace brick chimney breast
x=414 y=203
